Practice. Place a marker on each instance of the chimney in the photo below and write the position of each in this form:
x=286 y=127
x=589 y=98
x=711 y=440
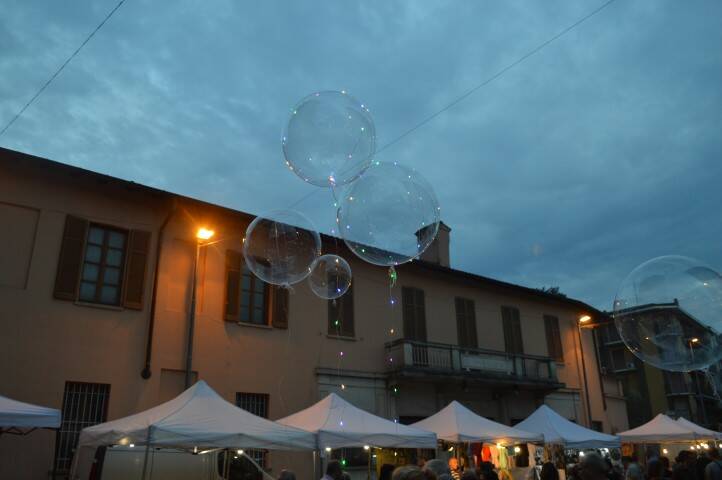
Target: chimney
x=438 y=251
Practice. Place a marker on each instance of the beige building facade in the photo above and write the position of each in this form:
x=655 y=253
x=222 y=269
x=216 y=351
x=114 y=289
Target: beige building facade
x=96 y=279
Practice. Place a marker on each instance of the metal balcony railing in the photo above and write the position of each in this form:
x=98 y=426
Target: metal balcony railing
x=444 y=359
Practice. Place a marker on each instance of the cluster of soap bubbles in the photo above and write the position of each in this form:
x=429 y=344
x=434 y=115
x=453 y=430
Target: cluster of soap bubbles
x=388 y=214
x=668 y=312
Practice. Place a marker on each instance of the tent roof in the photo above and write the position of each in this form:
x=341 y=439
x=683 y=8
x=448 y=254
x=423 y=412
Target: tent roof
x=559 y=430
x=339 y=424
x=701 y=432
x=456 y=423
x=661 y=429
x=198 y=417
x=15 y=414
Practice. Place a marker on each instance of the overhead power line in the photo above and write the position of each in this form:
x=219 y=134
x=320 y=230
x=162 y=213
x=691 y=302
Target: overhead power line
x=60 y=69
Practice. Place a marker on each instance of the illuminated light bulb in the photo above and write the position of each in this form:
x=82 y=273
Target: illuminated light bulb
x=195 y=449
x=665 y=451
x=451 y=449
x=396 y=390
x=235 y=456
x=366 y=447
x=341 y=423
x=581 y=454
x=517 y=449
x=393 y=302
x=343 y=462
x=132 y=445
x=343 y=386
x=395 y=454
x=335 y=322
x=328 y=449
x=341 y=354
x=391 y=331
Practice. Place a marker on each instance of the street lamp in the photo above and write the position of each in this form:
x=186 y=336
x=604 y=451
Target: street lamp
x=584 y=323
x=202 y=236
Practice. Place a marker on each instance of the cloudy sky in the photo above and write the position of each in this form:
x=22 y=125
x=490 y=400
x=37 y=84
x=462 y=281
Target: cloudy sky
x=596 y=154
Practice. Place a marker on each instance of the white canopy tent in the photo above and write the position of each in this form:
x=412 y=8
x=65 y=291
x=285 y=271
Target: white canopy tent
x=20 y=417
x=558 y=430
x=339 y=424
x=702 y=433
x=456 y=423
x=198 y=418
x=661 y=429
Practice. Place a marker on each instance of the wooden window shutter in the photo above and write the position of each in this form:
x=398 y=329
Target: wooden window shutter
x=512 y=330
x=70 y=262
x=420 y=315
x=137 y=259
x=279 y=317
x=466 y=323
x=554 y=341
x=233 y=286
x=346 y=304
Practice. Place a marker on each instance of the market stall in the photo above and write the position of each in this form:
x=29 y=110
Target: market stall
x=337 y=424
x=702 y=433
x=661 y=429
x=558 y=430
x=196 y=420
x=21 y=418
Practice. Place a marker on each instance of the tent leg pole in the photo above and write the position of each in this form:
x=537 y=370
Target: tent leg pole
x=315 y=464
x=145 y=457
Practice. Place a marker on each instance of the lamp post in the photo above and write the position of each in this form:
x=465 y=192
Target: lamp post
x=202 y=236
x=583 y=320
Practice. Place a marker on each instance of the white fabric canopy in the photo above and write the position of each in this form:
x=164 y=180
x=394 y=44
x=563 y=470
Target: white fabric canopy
x=700 y=431
x=456 y=423
x=558 y=430
x=20 y=415
x=661 y=429
x=198 y=417
x=339 y=424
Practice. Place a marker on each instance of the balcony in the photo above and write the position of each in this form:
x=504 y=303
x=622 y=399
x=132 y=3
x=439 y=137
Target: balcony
x=437 y=361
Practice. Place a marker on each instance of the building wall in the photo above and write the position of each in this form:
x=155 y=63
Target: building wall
x=46 y=342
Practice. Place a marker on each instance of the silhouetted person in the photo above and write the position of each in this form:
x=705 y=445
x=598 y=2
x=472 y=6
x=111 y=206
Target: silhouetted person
x=666 y=471
x=386 y=471
x=713 y=470
x=486 y=471
x=333 y=471
x=654 y=469
x=684 y=466
x=549 y=472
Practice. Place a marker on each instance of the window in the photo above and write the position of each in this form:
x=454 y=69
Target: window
x=340 y=315
x=512 y=330
x=466 y=323
x=250 y=300
x=414 y=313
x=253 y=298
x=102 y=264
x=84 y=405
x=257 y=404
x=554 y=339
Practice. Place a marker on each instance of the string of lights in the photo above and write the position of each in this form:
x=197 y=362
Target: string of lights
x=477 y=87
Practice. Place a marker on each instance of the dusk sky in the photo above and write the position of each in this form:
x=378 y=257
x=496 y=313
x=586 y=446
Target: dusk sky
x=599 y=152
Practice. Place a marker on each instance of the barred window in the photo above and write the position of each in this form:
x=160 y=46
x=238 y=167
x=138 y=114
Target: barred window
x=257 y=404
x=84 y=405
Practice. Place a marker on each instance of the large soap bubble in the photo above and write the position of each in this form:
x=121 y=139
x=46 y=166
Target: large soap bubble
x=330 y=277
x=390 y=215
x=669 y=313
x=330 y=139
x=280 y=247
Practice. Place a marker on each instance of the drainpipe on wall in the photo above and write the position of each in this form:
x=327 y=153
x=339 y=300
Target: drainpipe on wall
x=146 y=372
x=584 y=372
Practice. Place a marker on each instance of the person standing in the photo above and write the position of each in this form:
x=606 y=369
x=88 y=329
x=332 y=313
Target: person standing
x=333 y=471
x=713 y=470
x=454 y=467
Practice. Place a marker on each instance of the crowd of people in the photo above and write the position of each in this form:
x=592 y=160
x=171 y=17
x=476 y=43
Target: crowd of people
x=688 y=466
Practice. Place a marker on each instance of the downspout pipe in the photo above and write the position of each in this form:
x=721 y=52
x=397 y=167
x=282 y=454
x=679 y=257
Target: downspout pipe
x=146 y=372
